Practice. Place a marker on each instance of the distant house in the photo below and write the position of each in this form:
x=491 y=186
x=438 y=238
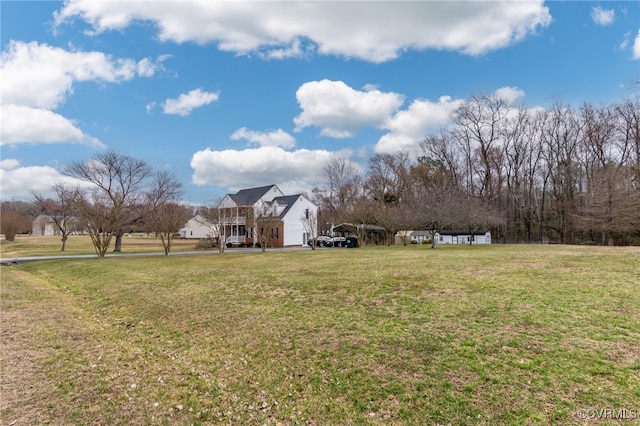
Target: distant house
x=463 y=237
x=420 y=236
x=44 y=225
x=415 y=237
x=249 y=212
x=197 y=227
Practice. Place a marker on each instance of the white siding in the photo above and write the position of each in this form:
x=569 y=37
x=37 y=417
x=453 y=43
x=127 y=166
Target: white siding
x=227 y=202
x=196 y=227
x=293 y=229
x=44 y=225
x=463 y=238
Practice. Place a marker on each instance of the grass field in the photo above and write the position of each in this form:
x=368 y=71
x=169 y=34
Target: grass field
x=480 y=335
x=25 y=246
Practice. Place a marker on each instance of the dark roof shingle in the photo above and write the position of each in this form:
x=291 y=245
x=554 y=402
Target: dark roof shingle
x=249 y=196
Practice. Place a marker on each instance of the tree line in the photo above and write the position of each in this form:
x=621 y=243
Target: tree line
x=562 y=175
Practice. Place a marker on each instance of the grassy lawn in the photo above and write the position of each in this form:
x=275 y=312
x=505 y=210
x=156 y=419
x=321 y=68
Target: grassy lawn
x=480 y=335
x=25 y=246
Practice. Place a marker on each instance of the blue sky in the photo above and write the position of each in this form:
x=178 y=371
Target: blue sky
x=229 y=95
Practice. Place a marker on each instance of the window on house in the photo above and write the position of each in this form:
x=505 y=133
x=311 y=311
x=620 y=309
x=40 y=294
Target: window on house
x=274 y=233
x=441 y=238
x=306 y=214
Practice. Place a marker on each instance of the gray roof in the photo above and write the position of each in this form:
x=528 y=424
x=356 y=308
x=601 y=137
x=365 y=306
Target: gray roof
x=350 y=227
x=421 y=232
x=462 y=232
x=288 y=201
x=249 y=196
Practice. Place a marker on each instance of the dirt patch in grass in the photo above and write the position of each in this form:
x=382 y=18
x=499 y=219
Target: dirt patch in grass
x=33 y=343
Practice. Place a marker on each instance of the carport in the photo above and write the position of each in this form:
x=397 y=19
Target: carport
x=370 y=234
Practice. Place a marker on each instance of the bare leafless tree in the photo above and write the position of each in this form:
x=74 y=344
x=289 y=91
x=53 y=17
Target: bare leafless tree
x=436 y=208
x=98 y=217
x=477 y=131
x=336 y=202
x=166 y=220
x=611 y=207
x=60 y=209
x=628 y=118
x=212 y=217
x=163 y=211
x=15 y=218
x=474 y=214
x=388 y=177
x=561 y=136
x=309 y=220
x=269 y=229
x=116 y=198
x=521 y=170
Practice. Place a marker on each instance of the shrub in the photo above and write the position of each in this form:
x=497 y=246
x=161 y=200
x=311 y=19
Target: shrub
x=206 y=243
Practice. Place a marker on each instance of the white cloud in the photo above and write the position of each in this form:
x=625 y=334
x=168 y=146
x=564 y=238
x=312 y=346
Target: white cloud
x=409 y=127
x=636 y=47
x=23 y=124
x=184 y=104
x=293 y=50
x=43 y=76
x=35 y=79
x=509 y=94
x=274 y=138
x=299 y=170
x=148 y=68
x=340 y=110
x=19 y=182
x=150 y=106
x=602 y=16
x=372 y=31
x=9 y=163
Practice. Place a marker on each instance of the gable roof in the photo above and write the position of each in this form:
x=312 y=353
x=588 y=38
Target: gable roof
x=249 y=196
x=288 y=201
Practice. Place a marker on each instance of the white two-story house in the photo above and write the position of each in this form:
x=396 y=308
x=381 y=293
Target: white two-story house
x=251 y=212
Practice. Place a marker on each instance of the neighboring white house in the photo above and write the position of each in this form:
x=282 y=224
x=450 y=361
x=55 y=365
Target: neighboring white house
x=44 y=225
x=197 y=227
x=421 y=236
x=288 y=212
x=463 y=237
